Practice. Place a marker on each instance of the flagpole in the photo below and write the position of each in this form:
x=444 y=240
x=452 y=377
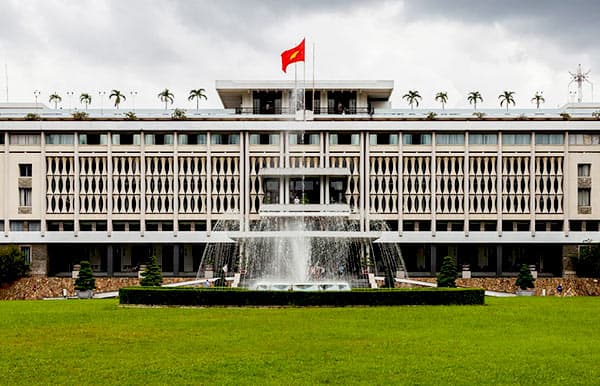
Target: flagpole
x=313 y=80
x=295 y=99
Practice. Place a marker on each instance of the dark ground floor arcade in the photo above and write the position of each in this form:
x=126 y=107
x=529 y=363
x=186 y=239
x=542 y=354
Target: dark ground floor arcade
x=420 y=260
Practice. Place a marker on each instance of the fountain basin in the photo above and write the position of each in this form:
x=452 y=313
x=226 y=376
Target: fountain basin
x=319 y=286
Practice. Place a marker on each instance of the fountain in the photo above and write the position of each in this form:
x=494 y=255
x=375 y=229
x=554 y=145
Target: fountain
x=303 y=254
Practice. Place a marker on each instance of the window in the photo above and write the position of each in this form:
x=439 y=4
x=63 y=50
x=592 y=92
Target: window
x=1 y=138
x=416 y=139
x=344 y=139
x=549 y=139
x=24 y=139
x=1 y=225
x=126 y=139
x=584 y=139
x=158 y=139
x=59 y=139
x=26 y=251
x=264 y=139
x=483 y=139
x=24 y=196
x=191 y=139
x=304 y=139
x=25 y=170
x=516 y=139
x=225 y=139
x=583 y=196
x=383 y=139
x=337 y=190
x=93 y=139
x=450 y=139
x=583 y=170
x=25 y=226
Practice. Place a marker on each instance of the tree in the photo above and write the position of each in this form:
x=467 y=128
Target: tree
x=152 y=276
x=198 y=94
x=525 y=279
x=85 y=281
x=12 y=264
x=118 y=97
x=507 y=97
x=166 y=96
x=56 y=99
x=86 y=99
x=412 y=97
x=442 y=97
x=587 y=261
x=448 y=273
x=473 y=97
x=538 y=99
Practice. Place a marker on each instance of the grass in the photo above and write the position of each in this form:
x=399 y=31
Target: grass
x=508 y=341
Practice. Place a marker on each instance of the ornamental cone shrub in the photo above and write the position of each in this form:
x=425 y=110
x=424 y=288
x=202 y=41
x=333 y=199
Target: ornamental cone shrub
x=525 y=279
x=85 y=281
x=448 y=273
x=152 y=276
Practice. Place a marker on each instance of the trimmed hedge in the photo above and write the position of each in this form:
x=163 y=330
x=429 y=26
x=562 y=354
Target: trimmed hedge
x=242 y=297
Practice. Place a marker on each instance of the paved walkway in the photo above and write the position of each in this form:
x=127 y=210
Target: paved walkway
x=427 y=284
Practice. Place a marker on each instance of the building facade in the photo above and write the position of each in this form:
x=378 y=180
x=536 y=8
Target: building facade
x=494 y=190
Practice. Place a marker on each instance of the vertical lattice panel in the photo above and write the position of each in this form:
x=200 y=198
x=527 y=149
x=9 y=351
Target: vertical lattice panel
x=353 y=180
x=305 y=162
x=126 y=184
x=225 y=175
x=192 y=184
x=449 y=184
x=515 y=184
x=257 y=192
x=93 y=184
x=416 y=184
x=60 y=177
x=383 y=184
x=548 y=184
x=159 y=184
x=482 y=184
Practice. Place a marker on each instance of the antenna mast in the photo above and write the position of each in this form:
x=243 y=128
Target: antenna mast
x=579 y=77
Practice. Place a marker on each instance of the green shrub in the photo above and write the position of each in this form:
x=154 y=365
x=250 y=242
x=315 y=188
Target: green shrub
x=448 y=273
x=80 y=115
x=587 y=261
x=32 y=117
x=178 y=115
x=85 y=281
x=151 y=277
x=12 y=264
x=242 y=297
x=525 y=279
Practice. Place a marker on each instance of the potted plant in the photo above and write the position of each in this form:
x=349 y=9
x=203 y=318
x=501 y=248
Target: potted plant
x=525 y=281
x=85 y=284
x=151 y=276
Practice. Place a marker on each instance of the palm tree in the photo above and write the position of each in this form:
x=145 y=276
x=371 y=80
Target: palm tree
x=166 y=96
x=538 y=99
x=473 y=97
x=507 y=97
x=198 y=94
x=86 y=99
x=412 y=97
x=442 y=97
x=56 y=99
x=118 y=97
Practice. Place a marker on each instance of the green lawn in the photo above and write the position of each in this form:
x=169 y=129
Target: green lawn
x=508 y=341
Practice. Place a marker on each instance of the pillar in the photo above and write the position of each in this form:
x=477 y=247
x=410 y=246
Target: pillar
x=176 y=249
x=433 y=258
x=499 y=260
x=109 y=260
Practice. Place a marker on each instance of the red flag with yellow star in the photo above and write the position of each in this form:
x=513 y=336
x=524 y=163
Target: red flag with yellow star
x=292 y=55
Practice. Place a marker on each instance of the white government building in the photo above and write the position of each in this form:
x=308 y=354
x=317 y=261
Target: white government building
x=494 y=191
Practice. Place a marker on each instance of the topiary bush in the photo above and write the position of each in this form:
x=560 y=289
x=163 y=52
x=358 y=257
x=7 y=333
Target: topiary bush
x=448 y=273
x=85 y=281
x=12 y=264
x=151 y=276
x=525 y=279
x=587 y=261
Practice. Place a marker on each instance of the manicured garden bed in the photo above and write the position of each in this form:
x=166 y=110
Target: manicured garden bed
x=240 y=297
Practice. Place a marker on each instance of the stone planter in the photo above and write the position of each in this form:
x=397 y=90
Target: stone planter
x=87 y=294
x=521 y=292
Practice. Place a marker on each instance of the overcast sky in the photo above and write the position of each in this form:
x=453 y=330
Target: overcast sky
x=426 y=45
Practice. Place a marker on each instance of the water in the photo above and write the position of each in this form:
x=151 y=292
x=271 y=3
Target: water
x=302 y=250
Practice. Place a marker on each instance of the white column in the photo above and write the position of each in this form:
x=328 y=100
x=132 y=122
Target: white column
x=142 y=184
x=466 y=187
x=400 y=184
x=532 y=209
x=433 y=184
x=243 y=177
x=175 y=188
x=208 y=183
x=364 y=183
x=109 y=186
x=76 y=186
x=499 y=208
x=565 y=186
x=6 y=183
x=44 y=182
